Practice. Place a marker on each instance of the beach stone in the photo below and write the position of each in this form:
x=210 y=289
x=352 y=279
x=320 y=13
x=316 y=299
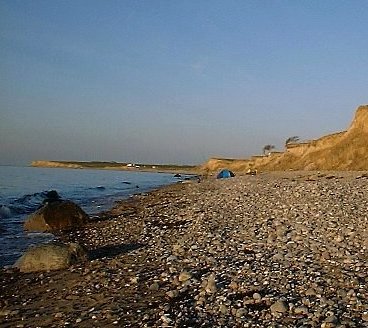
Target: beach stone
x=56 y=216
x=172 y=293
x=257 y=296
x=171 y=258
x=310 y=292
x=50 y=256
x=241 y=312
x=184 y=276
x=223 y=309
x=233 y=285
x=51 y=196
x=301 y=310
x=328 y=325
x=154 y=286
x=5 y=313
x=331 y=318
x=211 y=284
x=279 y=307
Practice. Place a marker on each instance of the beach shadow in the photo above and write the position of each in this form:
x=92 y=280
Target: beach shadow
x=111 y=251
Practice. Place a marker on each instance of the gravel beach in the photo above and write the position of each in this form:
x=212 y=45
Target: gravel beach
x=274 y=250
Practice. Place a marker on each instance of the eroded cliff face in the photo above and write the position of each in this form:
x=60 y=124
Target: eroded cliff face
x=360 y=122
x=347 y=150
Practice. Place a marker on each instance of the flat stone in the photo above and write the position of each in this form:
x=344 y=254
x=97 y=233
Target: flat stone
x=279 y=307
x=310 y=292
x=172 y=293
x=184 y=276
x=301 y=310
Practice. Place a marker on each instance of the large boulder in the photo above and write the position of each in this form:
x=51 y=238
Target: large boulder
x=50 y=256
x=56 y=216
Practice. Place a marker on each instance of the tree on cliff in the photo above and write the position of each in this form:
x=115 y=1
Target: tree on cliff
x=267 y=149
x=293 y=139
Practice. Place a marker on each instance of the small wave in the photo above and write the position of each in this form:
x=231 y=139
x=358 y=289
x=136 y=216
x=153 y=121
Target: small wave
x=30 y=198
x=28 y=203
x=126 y=182
x=39 y=235
x=5 y=212
x=97 y=188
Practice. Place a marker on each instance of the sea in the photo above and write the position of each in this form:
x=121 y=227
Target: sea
x=23 y=189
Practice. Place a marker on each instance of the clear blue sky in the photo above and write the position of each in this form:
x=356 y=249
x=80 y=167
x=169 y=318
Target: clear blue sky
x=175 y=81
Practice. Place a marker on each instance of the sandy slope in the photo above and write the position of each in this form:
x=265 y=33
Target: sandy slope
x=347 y=150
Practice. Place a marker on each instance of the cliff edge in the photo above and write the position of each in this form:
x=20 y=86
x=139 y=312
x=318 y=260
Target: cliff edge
x=347 y=150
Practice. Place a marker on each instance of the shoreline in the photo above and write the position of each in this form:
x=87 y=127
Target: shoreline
x=116 y=166
x=95 y=191
x=282 y=249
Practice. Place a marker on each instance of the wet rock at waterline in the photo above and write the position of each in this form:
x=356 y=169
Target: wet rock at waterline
x=56 y=216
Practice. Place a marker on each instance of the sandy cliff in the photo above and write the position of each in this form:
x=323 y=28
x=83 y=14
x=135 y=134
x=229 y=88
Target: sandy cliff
x=347 y=150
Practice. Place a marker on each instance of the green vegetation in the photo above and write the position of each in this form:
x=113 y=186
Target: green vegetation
x=267 y=149
x=293 y=139
x=93 y=164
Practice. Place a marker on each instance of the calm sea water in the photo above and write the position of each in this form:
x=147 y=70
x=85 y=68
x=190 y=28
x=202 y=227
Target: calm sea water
x=22 y=190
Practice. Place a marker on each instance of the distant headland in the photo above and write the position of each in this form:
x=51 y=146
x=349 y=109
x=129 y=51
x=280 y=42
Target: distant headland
x=115 y=166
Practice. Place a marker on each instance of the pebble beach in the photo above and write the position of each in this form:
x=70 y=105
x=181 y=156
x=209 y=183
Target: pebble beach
x=283 y=249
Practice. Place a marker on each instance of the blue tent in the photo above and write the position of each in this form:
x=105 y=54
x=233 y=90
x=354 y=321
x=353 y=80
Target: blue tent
x=224 y=174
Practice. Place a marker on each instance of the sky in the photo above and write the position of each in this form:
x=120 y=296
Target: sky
x=176 y=81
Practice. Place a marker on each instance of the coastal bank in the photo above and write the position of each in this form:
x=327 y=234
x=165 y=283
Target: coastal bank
x=340 y=151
